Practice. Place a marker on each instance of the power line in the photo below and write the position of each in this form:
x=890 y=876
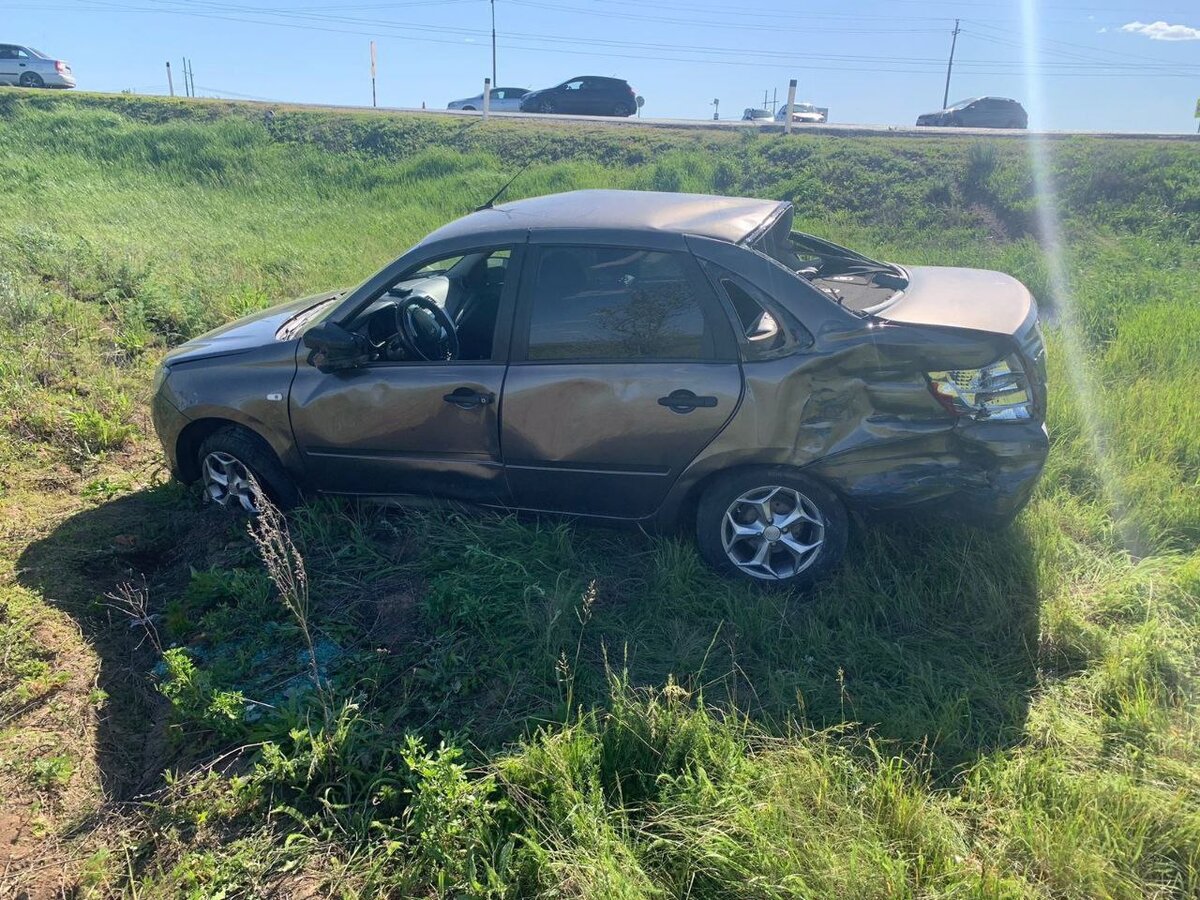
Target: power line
x=535 y=43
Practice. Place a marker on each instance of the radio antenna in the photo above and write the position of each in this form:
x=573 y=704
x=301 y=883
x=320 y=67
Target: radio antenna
x=496 y=196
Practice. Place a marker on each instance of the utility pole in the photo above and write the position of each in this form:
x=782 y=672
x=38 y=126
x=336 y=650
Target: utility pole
x=950 y=65
x=494 y=81
x=192 y=77
x=170 y=83
x=373 y=73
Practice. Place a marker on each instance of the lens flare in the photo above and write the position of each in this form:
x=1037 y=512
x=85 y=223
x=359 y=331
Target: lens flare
x=1065 y=314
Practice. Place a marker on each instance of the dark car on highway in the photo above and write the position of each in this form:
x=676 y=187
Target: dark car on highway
x=979 y=112
x=670 y=360
x=587 y=95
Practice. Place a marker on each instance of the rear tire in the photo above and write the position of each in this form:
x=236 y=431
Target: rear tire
x=228 y=457
x=32 y=80
x=622 y=110
x=468 y=109
x=773 y=526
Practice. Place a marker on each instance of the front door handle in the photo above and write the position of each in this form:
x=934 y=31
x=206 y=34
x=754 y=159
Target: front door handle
x=467 y=398
x=684 y=401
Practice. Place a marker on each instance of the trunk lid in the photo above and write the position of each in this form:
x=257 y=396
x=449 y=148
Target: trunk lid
x=963 y=298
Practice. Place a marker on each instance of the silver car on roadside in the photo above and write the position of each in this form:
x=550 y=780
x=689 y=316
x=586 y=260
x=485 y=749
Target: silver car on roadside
x=502 y=100
x=802 y=113
x=33 y=68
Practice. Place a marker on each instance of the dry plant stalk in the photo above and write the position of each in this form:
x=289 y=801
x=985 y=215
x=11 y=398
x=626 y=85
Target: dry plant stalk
x=134 y=603
x=285 y=567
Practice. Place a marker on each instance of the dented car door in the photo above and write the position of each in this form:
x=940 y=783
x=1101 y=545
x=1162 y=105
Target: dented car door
x=623 y=369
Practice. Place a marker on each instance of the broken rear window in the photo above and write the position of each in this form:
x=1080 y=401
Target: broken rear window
x=847 y=277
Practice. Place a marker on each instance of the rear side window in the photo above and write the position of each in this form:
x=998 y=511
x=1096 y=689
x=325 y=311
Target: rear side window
x=606 y=303
x=765 y=329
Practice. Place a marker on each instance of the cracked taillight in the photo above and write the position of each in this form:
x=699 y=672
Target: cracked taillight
x=998 y=392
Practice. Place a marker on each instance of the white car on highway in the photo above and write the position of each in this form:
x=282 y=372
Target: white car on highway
x=32 y=68
x=802 y=112
x=502 y=100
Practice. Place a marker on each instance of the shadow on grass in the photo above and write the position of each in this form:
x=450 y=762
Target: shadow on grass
x=148 y=540
x=926 y=638
x=485 y=628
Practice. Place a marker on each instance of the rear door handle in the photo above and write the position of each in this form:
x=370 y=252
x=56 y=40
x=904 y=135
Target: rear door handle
x=466 y=398
x=684 y=401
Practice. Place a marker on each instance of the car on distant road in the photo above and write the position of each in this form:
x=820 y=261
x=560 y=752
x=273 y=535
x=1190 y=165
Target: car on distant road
x=32 y=68
x=979 y=112
x=500 y=100
x=751 y=114
x=587 y=95
x=667 y=360
x=802 y=113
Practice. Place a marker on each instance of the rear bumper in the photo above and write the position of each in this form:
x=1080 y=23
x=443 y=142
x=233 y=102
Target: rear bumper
x=58 y=80
x=981 y=473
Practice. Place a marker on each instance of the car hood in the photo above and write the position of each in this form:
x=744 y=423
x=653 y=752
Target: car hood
x=246 y=333
x=963 y=298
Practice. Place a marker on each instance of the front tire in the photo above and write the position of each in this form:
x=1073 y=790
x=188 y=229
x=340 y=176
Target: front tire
x=772 y=525
x=232 y=460
x=32 y=80
x=546 y=106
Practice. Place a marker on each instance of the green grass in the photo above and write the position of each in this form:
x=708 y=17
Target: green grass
x=450 y=706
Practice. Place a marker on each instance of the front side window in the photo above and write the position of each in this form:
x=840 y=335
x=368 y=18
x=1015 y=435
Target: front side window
x=607 y=303
x=467 y=288
x=573 y=85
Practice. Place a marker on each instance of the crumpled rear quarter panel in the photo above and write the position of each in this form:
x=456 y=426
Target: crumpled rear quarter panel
x=855 y=411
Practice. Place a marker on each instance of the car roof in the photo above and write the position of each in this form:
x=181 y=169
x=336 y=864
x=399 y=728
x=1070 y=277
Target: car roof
x=723 y=218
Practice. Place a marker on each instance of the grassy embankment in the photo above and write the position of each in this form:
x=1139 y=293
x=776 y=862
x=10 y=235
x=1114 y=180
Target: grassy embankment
x=470 y=707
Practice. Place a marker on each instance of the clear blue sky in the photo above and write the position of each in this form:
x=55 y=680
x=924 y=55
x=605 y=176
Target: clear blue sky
x=1125 y=65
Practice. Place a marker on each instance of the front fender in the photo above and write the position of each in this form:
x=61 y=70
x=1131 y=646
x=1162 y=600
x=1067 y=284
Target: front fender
x=249 y=389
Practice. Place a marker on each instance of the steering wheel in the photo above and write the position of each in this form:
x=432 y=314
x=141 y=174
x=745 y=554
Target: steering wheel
x=424 y=330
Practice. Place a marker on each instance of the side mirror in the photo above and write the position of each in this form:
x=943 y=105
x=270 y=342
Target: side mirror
x=335 y=348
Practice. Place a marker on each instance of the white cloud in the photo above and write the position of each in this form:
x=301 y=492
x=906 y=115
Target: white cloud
x=1161 y=31
x=1102 y=30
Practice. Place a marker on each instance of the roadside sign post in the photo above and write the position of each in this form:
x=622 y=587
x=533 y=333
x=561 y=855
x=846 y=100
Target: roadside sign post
x=373 y=73
x=170 y=83
x=1198 y=116
x=487 y=97
x=791 y=104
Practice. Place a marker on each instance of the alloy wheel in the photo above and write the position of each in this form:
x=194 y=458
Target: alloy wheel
x=772 y=532
x=228 y=483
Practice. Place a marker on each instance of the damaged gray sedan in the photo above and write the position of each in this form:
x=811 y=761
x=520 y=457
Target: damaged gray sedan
x=673 y=360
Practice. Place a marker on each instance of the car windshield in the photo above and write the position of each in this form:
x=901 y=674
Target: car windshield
x=961 y=103
x=849 y=278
